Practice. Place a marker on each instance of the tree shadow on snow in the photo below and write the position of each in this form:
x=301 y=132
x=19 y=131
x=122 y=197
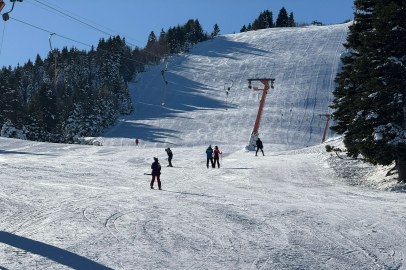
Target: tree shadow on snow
x=182 y=97
x=143 y=132
x=56 y=254
x=226 y=48
x=22 y=153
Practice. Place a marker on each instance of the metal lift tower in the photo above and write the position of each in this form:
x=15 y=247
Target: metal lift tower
x=265 y=82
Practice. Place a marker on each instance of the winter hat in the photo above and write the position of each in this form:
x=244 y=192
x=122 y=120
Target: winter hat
x=156 y=159
x=216 y=147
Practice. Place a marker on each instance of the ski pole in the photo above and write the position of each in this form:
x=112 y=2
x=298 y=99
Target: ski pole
x=221 y=157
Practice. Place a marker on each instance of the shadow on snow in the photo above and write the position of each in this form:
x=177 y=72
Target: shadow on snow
x=56 y=254
x=182 y=97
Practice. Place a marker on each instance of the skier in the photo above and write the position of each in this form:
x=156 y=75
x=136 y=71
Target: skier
x=217 y=154
x=209 y=153
x=136 y=142
x=156 y=172
x=259 y=146
x=170 y=155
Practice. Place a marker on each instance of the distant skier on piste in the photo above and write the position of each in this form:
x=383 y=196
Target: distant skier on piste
x=217 y=154
x=259 y=146
x=209 y=152
x=170 y=155
x=156 y=172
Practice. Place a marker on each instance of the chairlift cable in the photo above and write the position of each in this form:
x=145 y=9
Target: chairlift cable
x=73 y=18
x=2 y=38
x=92 y=22
x=88 y=25
x=75 y=40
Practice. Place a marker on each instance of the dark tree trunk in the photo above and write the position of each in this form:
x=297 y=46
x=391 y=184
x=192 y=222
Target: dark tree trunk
x=401 y=165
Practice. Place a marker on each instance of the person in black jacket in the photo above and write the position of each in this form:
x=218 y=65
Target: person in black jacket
x=170 y=155
x=259 y=146
x=156 y=172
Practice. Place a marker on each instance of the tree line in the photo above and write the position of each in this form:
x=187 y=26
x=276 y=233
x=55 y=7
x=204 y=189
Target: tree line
x=265 y=20
x=90 y=90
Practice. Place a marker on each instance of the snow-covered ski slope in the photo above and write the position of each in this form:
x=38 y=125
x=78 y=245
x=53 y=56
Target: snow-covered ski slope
x=303 y=62
x=90 y=207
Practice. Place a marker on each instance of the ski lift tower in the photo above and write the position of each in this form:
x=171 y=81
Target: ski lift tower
x=265 y=82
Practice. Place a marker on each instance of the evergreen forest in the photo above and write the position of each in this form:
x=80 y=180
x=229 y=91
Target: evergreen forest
x=90 y=90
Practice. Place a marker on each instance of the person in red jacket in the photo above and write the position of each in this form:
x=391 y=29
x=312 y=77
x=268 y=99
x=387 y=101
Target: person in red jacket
x=217 y=154
x=136 y=142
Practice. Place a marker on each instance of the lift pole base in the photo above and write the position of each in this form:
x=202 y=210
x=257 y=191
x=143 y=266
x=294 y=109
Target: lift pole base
x=252 y=143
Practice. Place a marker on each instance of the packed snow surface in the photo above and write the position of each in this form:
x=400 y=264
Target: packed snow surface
x=297 y=207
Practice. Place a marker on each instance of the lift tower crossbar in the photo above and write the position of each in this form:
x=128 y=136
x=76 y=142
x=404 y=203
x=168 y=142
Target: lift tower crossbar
x=265 y=82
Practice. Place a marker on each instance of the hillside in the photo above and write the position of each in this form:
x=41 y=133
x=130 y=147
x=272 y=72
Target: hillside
x=303 y=62
x=71 y=206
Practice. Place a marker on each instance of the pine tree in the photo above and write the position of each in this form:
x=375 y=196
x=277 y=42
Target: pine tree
x=198 y=31
x=370 y=100
x=243 y=29
x=283 y=19
x=151 y=39
x=291 y=20
x=216 y=30
x=269 y=18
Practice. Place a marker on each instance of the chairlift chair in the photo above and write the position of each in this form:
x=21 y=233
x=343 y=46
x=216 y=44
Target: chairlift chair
x=6 y=17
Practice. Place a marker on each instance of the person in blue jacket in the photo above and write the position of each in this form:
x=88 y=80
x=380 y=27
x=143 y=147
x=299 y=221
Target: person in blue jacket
x=209 y=153
x=156 y=172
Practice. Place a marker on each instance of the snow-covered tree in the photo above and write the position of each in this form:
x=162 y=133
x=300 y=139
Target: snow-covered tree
x=370 y=100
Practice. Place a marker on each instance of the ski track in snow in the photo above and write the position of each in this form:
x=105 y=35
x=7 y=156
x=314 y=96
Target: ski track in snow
x=288 y=209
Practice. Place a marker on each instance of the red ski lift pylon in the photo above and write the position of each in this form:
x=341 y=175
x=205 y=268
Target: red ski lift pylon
x=5 y=15
x=265 y=82
x=55 y=56
x=325 y=129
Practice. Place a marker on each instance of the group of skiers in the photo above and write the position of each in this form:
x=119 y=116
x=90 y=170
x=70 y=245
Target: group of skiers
x=212 y=155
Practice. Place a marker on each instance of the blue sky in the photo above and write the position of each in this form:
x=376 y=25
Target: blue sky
x=135 y=19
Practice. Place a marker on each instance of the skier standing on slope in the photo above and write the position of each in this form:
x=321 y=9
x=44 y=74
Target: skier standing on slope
x=259 y=146
x=217 y=154
x=170 y=155
x=209 y=153
x=136 y=142
x=156 y=172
